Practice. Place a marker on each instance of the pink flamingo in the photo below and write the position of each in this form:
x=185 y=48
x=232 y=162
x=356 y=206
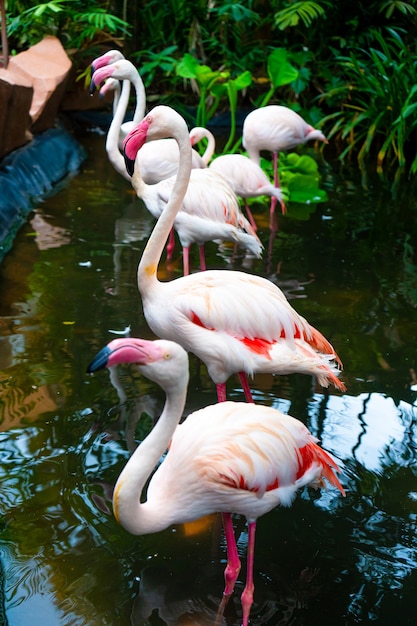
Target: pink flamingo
x=157 y=161
x=229 y=457
x=247 y=179
x=232 y=321
x=209 y=210
x=276 y=128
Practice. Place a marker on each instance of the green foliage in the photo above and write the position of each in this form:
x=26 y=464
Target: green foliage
x=375 y=101
x=67 y=19
x=156 y=62
x=280 y=73
x=304 y=10
x=390 y=6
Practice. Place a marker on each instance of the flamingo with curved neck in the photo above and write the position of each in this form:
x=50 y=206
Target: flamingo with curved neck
x=232 y=456
x=276 y=128
x=233 y=321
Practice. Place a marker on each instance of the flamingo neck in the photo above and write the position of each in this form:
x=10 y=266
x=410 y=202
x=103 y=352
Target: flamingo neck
x=112 y=140
x=141 y=518
x=140 y=98
x=148 y=266
x=211 y=146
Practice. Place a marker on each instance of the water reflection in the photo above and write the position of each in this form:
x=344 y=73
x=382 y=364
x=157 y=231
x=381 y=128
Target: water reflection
x=64 y=437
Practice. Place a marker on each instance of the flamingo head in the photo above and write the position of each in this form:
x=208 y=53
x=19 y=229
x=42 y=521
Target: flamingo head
x=100 y=76
x=111 y=84
x=160 y=123
x=133 y=143
x=162 y=361
x=105 y=59
x=314 y=133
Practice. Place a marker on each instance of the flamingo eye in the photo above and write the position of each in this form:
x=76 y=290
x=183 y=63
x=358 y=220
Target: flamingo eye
x=167 y=356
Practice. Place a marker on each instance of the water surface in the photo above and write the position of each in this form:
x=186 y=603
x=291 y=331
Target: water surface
x=69 y=284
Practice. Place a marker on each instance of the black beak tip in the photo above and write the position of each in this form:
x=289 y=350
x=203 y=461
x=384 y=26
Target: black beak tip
x=100 y=361
x=130 y=165
x=92 y=88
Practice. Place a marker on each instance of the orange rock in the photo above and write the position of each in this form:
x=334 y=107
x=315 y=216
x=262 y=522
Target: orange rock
x=45 y=66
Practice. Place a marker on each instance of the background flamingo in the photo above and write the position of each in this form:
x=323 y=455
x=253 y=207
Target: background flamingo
x=157 y=161
x=275 y=128
x=209 y=210
x=233 y=321
x=247 y=179
x=232 y=456
x=132 y=74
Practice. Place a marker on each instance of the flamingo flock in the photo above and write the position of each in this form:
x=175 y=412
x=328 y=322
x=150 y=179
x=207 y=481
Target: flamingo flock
x=231 y=457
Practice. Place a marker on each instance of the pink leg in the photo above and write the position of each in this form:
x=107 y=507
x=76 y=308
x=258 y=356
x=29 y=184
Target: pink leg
x=250 y=216
x=202 y=258
x=221 y=392
x=186 y=261
x=247 y=594
x=170 y=245
x=245 y=385
x=273 y=199
x=233 y=562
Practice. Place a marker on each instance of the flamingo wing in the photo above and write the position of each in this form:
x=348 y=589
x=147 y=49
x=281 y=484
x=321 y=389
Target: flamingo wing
x=243 y=458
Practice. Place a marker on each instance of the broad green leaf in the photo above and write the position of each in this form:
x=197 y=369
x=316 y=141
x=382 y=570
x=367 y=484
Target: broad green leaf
x=280 y=70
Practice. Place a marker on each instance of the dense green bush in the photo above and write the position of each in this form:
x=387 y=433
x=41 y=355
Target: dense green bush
x=349 y=63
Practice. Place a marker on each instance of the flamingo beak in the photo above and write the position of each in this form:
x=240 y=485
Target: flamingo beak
x=100 y=360
x=99 y=76
x=133 y=143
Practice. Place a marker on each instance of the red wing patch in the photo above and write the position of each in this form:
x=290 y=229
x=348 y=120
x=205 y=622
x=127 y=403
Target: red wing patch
x=257 y=344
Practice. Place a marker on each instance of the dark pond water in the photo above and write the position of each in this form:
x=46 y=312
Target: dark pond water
x=68 y=285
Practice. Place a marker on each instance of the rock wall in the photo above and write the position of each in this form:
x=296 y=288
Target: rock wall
x=31 y=90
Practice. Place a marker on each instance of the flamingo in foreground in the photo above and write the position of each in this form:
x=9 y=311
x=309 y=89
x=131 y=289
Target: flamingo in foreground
x=228 y=457
x=232 y=321
x=276 y=128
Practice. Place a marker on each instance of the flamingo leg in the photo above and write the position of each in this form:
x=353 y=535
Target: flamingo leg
x=250 y=216
x=272 y=217
x=186 y=260
x=203 y=266
x=247 y=594
x=245 y=386
x=221 y=392
x=170 y=245
x=233 y=562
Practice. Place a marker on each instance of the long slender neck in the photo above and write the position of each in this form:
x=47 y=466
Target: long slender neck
x=140 y=98
x=112 y=140
x=148 y=266
x=210 y=148
x=141 y=518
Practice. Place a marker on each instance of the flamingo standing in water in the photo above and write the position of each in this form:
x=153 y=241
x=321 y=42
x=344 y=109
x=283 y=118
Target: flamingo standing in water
x=232 y=321
x=228 y=457
x=276 y=128
x=209 y=211
x=247 y=179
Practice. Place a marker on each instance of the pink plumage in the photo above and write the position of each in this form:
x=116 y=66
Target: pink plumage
x=233 y=321
x=275 y=128
x=228 y=457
